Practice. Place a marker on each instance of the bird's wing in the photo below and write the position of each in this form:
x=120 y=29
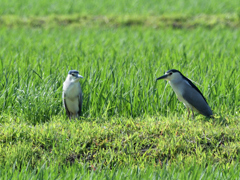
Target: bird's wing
x=65 y=104
x=80 y=100
x=196 y=99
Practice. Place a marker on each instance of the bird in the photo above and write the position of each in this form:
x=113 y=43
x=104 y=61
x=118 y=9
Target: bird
x=187 y=93
x=72 y=94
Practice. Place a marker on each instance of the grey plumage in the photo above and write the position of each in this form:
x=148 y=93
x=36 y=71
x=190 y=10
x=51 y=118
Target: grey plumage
x=72 y=94
x=187 y=92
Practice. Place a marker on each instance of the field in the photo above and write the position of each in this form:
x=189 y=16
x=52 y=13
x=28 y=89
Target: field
x=132 y=127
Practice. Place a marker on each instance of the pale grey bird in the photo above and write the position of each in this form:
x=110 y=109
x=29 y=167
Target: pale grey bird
x=187 y=93
x=72 y=94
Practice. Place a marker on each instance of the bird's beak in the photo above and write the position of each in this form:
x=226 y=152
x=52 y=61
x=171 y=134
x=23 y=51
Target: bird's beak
x=79 y=76
x=162 y=77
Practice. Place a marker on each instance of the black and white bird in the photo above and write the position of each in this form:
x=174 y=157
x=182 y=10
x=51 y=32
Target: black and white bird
x=72 y=94
x=187 y=93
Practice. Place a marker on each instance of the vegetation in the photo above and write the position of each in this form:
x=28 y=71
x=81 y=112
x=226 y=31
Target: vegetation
x=121 y=141
x=113 y=21
x=82 y=172
x=110 y=7
x=131 y=126
x=119 y=68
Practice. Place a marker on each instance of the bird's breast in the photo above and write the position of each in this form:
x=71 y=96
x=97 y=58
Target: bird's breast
x=72 y=91
x=178 y=89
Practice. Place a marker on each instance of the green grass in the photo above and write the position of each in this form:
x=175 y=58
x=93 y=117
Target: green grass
x=119 y=68
x=121 y=142
x=112 y=7
x=173 y=148
x=82 y=172
x=161 y=21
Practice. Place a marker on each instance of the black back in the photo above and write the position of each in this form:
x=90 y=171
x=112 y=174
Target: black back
x=189 y=81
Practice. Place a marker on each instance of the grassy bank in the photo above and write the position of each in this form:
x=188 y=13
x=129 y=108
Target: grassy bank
x=121 y=142
x=177 y=21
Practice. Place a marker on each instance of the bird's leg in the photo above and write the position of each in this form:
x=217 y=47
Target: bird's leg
x=192 y=114
x=188 y=113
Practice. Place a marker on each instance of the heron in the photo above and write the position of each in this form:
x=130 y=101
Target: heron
x=187 y=93
x=72 y=94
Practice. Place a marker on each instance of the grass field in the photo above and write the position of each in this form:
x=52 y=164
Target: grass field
x=82 y=172
x=132 y=126
x=112 y=7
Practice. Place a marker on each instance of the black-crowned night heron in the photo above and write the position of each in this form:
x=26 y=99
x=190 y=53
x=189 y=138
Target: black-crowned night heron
x=187 y=93
x=72 y=94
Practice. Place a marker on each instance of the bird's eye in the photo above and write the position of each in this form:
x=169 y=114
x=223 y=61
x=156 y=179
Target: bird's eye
x=170 y=73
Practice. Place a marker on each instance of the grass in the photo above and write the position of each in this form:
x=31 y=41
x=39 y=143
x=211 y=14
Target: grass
x=132 y=127
x=110 y=21
x=111 y=7
x=121 y=142
x=119 y=68
x=82 y=172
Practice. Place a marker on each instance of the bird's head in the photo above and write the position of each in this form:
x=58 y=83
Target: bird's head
x=172 y=75
x=74 y=76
